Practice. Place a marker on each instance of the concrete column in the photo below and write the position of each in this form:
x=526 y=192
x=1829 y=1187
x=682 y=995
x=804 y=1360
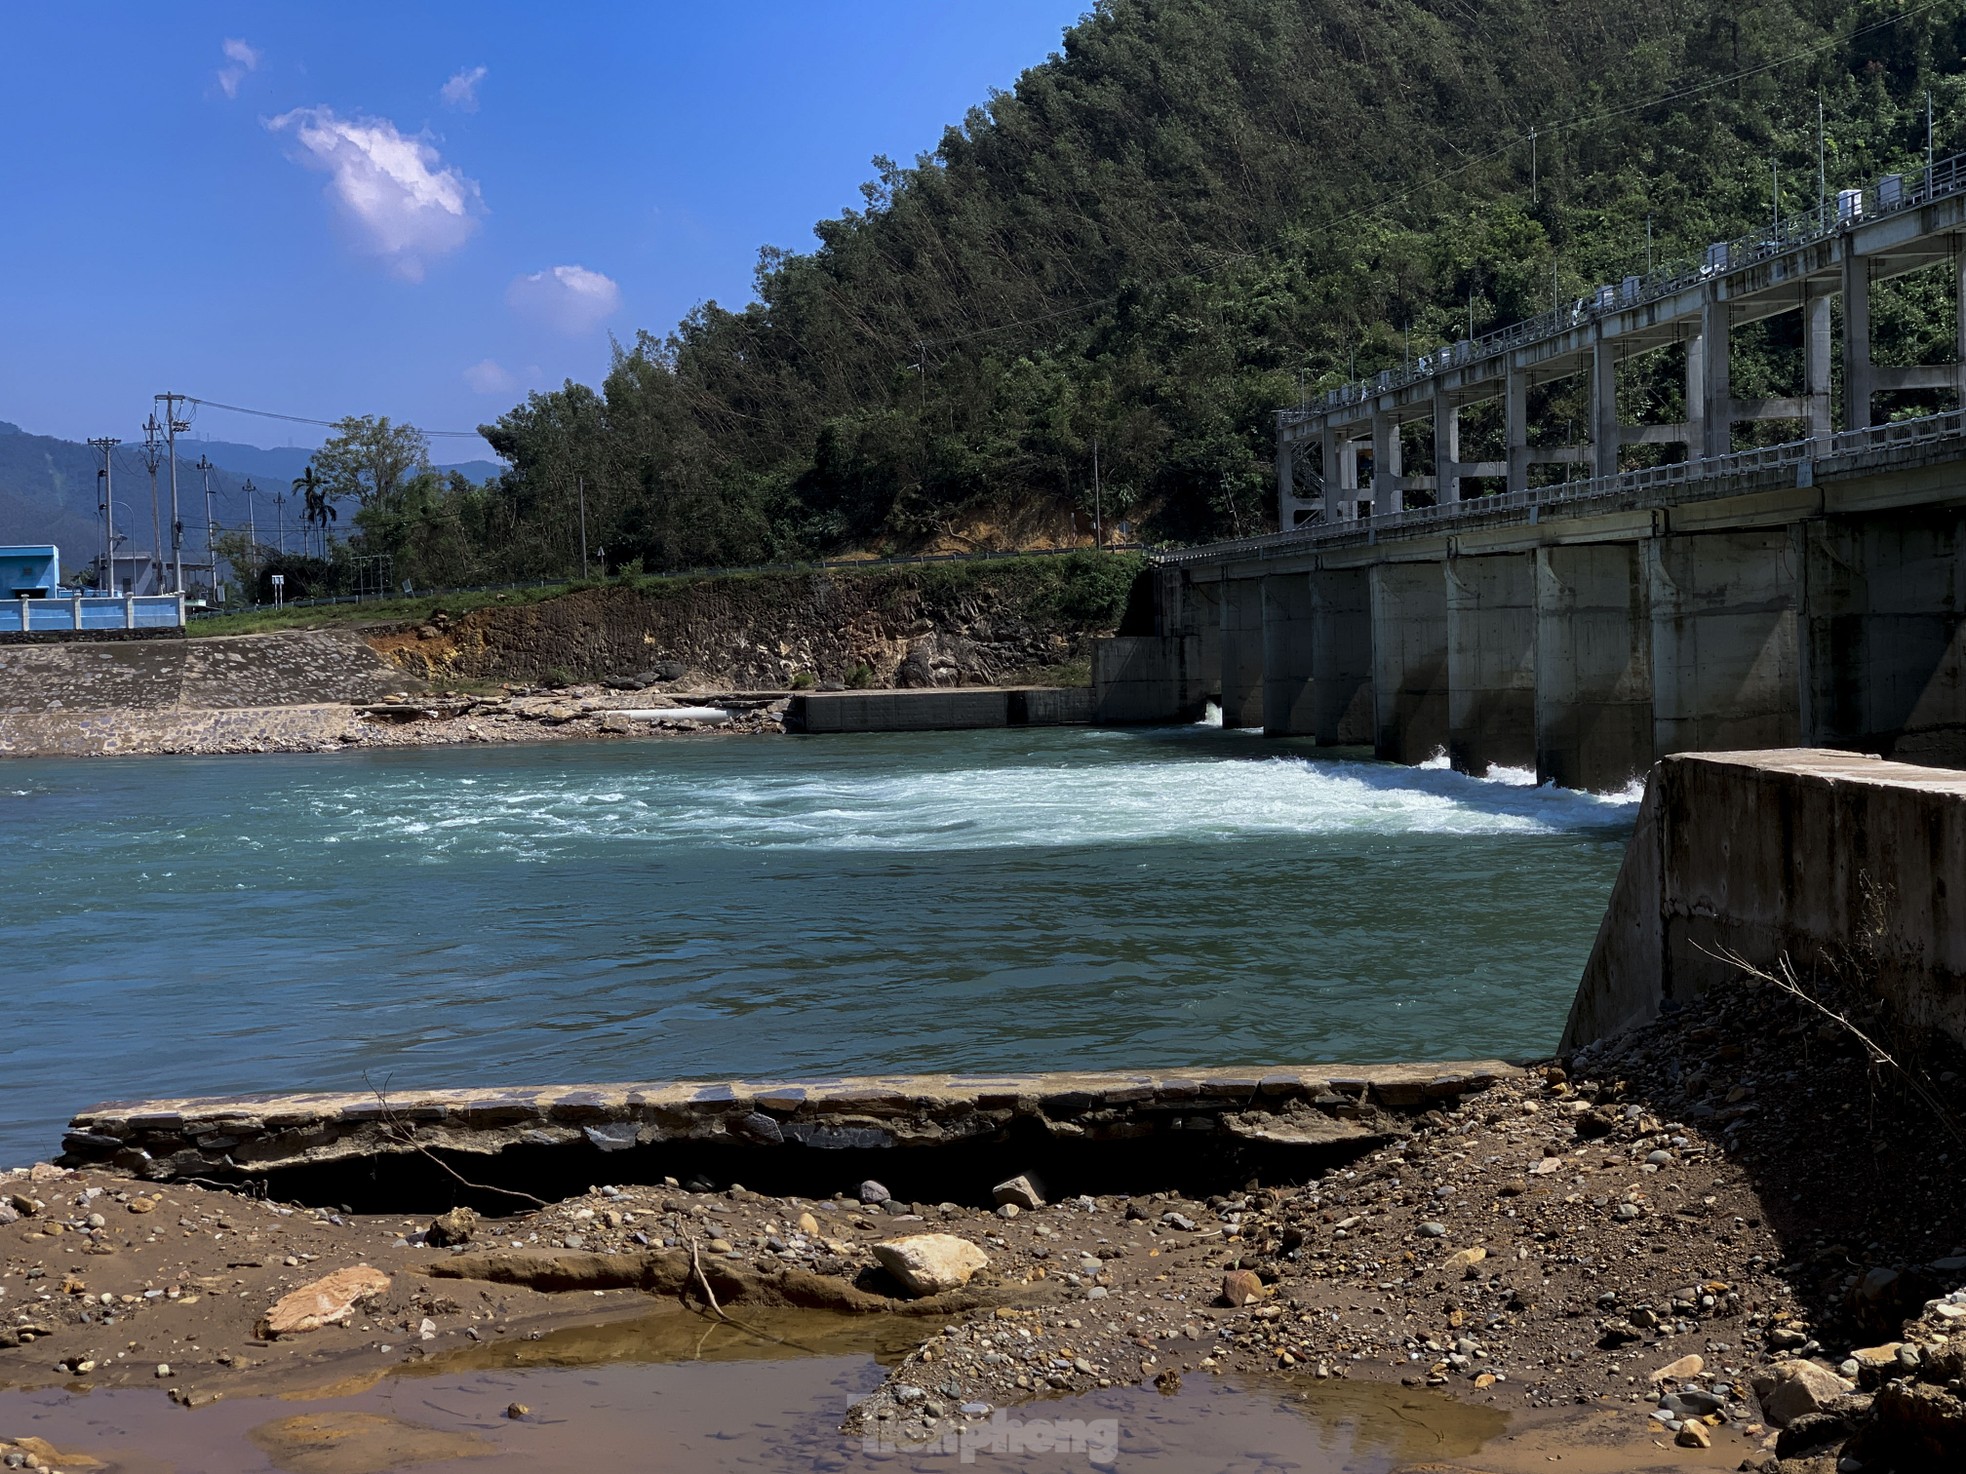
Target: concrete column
x=1717 y=402
x=1884 y=636
x=1816 y=364
x=1328 y=450
x=1447 y=448
x=1724 y=664
x=1348 y=476
x=1286 y=479
x=1289 y=622
x=1386 y=497
x=1593 y=666
x=1409 y=661
x=1491 y=662
x=1696 y=397
x=1857 y=382
x=1959 y=319
x=1341 y=657
x=1515 y=424
x=1242 y=652
x=1604 y=409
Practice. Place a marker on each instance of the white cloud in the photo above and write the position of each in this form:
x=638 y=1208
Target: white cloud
x=569 y=299
x=462 y=89
x=243 y=59
x=488 y=376
x=405 y=205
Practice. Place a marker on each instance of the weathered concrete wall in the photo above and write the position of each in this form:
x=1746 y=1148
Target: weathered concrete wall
x=1147 y=678
x=1289 y=651
x=1828 y=858
x=1242 y=652
x=1593 y=666
x=1725 y=672
x=938 y=710
x=1491 y=662
x=1409 y=661
x=1884 y=636
x=244 y=1136
x=1341 y=655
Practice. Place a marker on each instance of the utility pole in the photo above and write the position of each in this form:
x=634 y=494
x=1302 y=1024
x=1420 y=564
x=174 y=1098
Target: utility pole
x=280 y=512
x=172 y=424
x=1822 y=159
x=205 y=467
x=580 y=490
x=106 y=444
x=152 y=453
x=252 y=538
x=1928 y=145
x=1098 y=505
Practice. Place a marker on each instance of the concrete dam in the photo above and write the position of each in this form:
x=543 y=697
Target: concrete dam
x=1805 y=592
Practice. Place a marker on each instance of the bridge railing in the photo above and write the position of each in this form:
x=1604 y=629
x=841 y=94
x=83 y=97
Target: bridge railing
x=1888 y=195
x=1649 y=485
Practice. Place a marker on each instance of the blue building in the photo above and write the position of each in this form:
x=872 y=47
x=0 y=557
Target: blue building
x=30 y=571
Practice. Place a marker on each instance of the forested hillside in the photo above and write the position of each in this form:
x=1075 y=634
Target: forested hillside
x=1196 y=212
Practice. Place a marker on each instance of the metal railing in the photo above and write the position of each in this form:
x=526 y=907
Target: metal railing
x=81 y=613
x=1888 y=195
x=1647 y=486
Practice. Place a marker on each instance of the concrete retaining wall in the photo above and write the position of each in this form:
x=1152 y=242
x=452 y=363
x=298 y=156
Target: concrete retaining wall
x=247 y=1136
x=1829 y=858
x=939 y=709
x=1148 y=678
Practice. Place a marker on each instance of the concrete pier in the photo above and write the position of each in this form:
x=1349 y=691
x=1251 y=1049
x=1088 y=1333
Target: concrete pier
x=1341 y=657
x=1409 y=661
x=1724 y=660
x=1491 y=662
x=1289 y=656
x=1242 y=652
x=1593 y=666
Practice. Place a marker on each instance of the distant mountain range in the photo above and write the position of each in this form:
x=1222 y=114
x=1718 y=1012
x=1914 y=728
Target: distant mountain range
x=48 y=492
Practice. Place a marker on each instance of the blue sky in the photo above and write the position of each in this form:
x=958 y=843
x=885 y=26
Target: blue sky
x=424 y=211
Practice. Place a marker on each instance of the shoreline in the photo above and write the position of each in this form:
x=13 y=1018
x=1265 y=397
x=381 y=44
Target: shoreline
x=1637 y=1236
x=582 y=713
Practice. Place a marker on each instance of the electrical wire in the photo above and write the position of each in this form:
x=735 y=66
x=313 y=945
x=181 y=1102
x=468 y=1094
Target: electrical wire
x=267 y=414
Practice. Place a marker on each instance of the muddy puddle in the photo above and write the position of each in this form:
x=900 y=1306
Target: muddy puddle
x=675 y=1392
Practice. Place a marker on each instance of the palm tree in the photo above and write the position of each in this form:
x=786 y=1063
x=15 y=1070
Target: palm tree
x=319 y=511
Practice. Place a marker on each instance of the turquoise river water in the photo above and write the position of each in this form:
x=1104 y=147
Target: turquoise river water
x=1038 y=899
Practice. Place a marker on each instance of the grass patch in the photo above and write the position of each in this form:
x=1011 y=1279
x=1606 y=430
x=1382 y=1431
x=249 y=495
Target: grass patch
x=412 y=610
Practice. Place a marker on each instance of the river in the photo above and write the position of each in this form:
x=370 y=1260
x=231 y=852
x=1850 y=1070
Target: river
x=1034 y=899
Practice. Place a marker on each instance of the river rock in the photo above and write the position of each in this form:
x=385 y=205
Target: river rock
x=1242 y=1287
x=872 y=1192
x=929 y=1263
x=1686 y=1366
x=1463 y=1261
x=1792 y=1389
x=454 y=1227
x=1024 y=1191
x=328 y=1301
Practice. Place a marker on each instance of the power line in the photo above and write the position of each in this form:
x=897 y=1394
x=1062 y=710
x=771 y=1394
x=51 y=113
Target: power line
x=267 y=414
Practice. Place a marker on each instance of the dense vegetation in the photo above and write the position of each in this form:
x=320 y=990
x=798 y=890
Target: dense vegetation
x=1195 y=212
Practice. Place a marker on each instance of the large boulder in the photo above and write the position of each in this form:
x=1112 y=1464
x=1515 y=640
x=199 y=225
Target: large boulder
x=1793 y=1389
x=930 y=1263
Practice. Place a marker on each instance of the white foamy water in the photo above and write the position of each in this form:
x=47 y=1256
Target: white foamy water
x=1155 y=790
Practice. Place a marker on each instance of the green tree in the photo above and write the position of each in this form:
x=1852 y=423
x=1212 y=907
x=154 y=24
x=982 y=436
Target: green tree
x=369 y=461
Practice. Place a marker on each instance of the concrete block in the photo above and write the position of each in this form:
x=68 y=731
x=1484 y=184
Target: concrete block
x=1147 y=678
x=1242 y=652
x=1341 y=657
x=1725 y=670
x=1289 y=647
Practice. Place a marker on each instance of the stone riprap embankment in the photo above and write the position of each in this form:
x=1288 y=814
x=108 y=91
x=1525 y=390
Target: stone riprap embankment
x=294 y=690
x=238 y=1138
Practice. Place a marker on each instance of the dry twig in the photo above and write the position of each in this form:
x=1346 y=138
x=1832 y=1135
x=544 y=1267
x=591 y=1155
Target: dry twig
x=405 y=1135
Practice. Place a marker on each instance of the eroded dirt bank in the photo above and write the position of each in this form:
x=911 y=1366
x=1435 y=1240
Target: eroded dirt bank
x=940 y=625
x=1726 y=1236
